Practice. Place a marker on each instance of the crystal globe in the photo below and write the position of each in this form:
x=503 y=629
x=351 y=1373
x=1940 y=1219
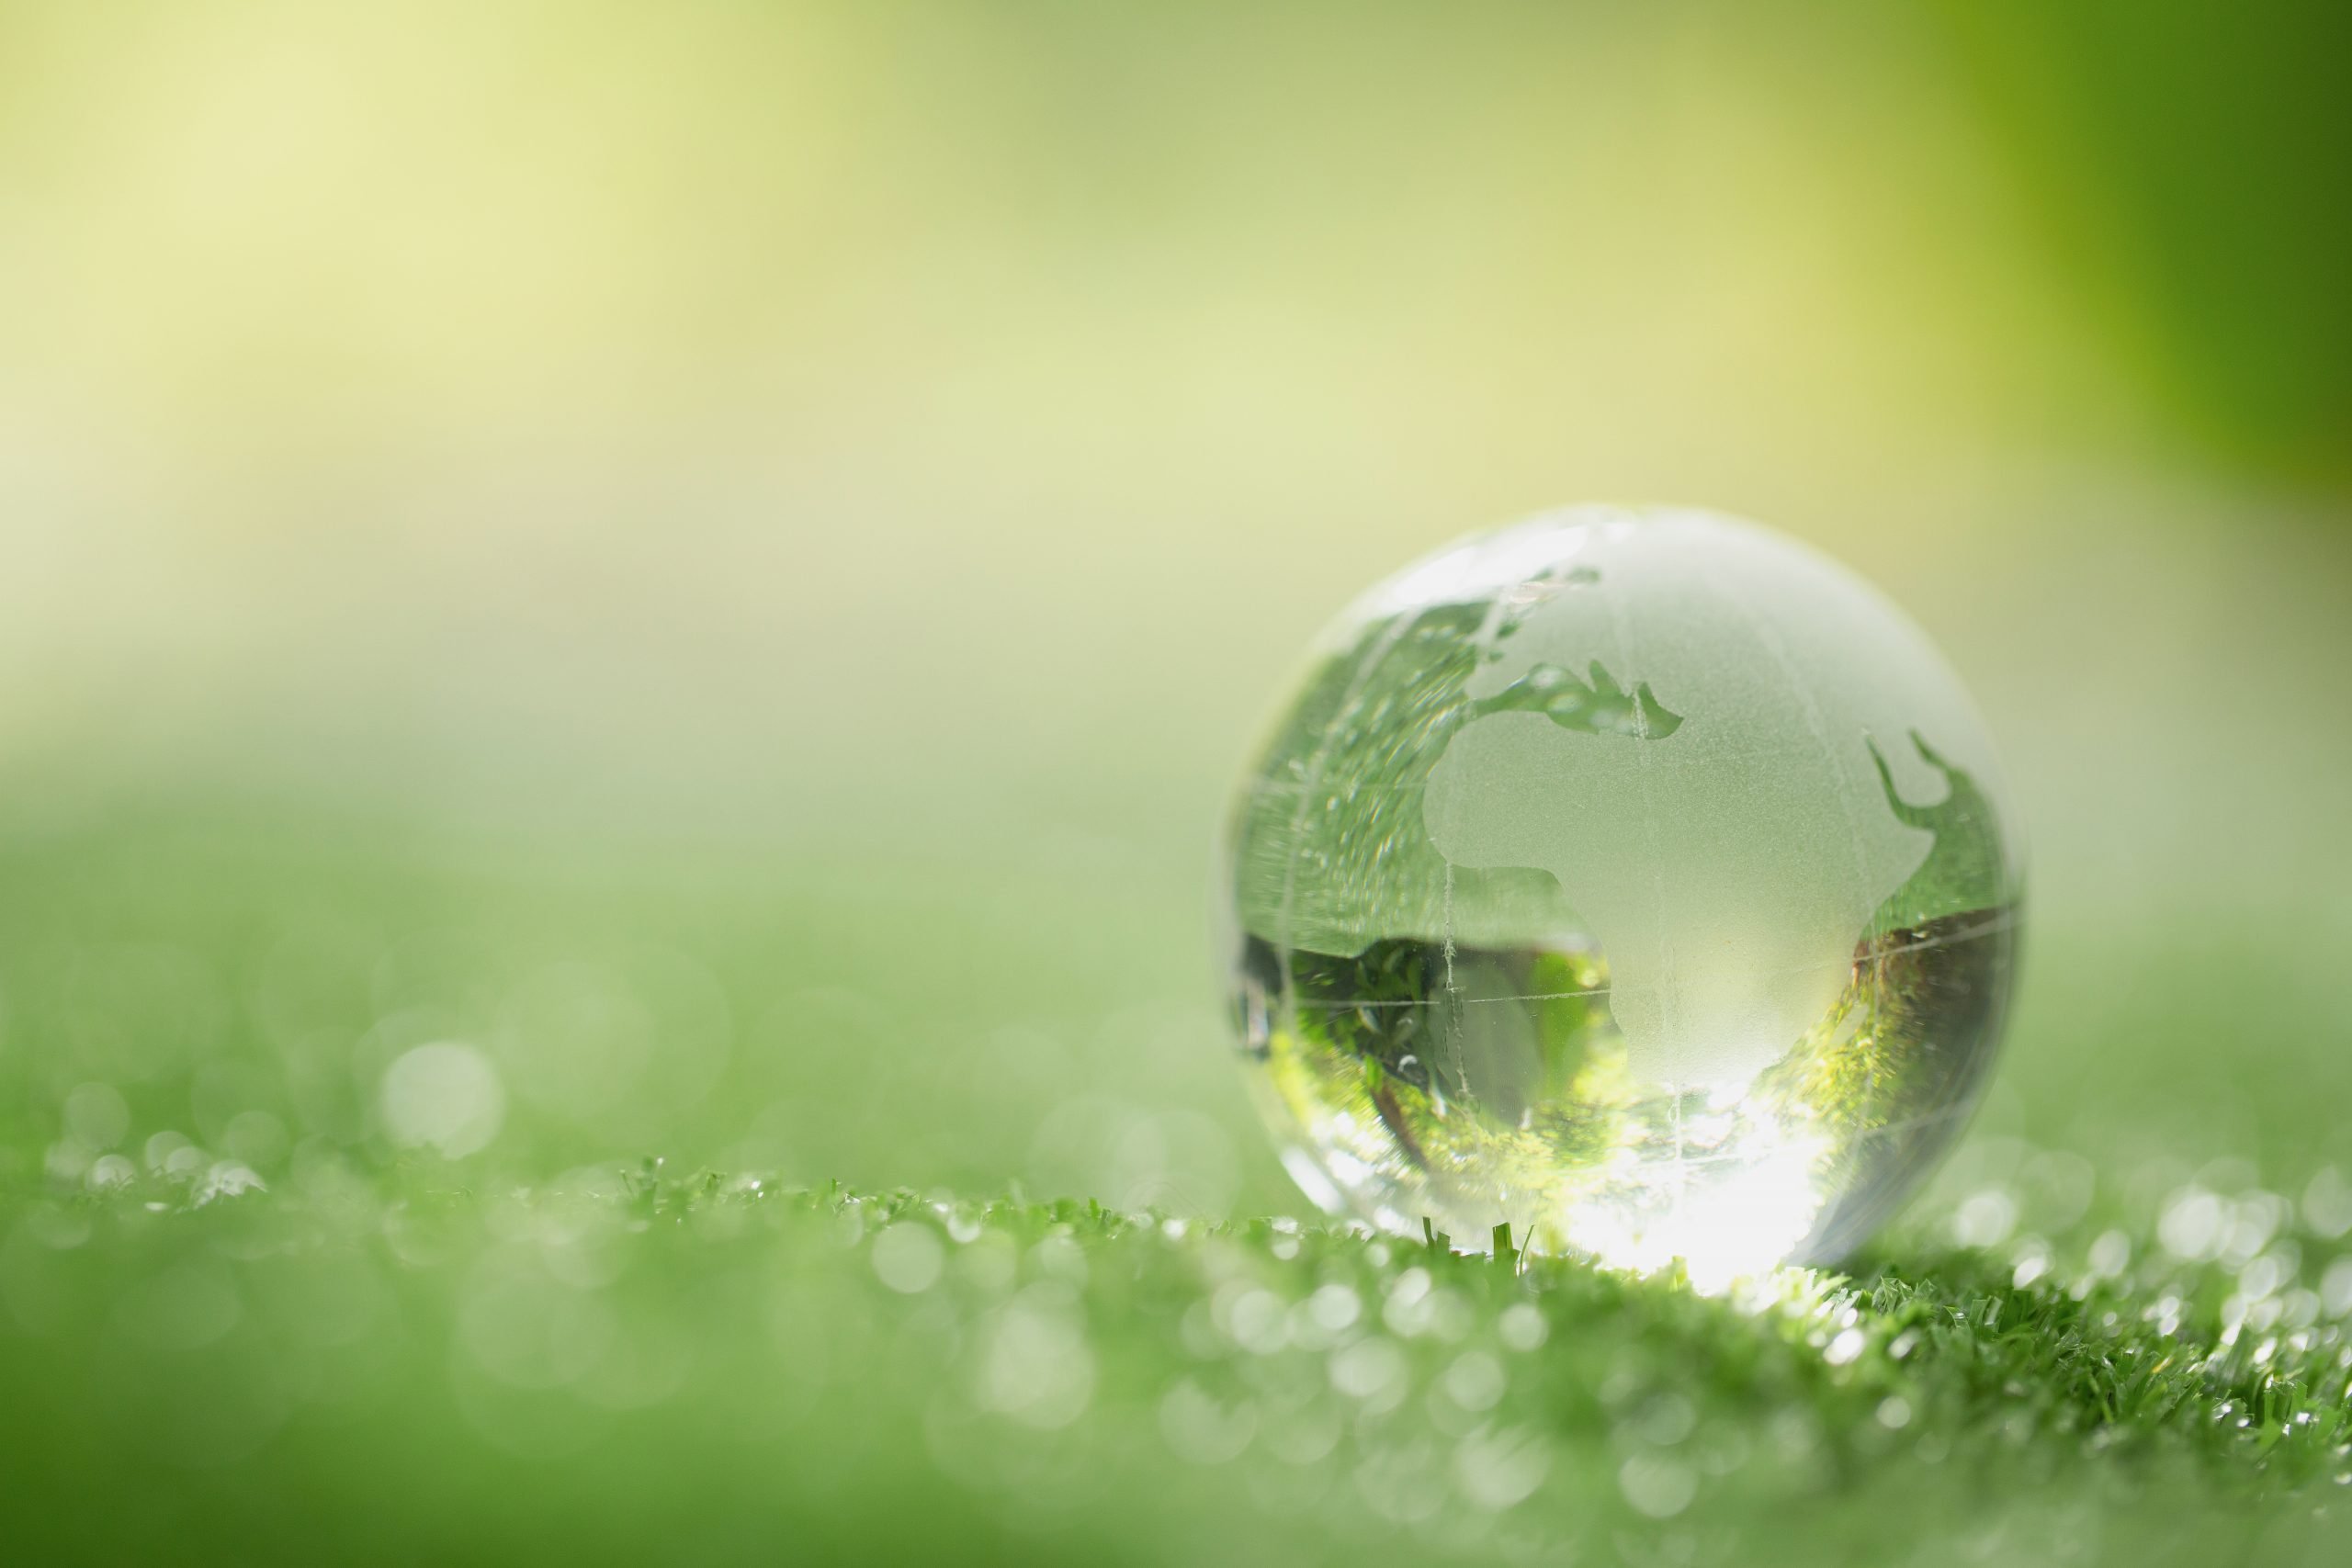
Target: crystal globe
x=1637 y=878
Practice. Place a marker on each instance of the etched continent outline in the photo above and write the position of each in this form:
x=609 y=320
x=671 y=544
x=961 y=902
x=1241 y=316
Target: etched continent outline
x=1726 y=853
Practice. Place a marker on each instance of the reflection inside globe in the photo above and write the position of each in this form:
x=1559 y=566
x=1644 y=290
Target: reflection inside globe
x=1578 y=892
x=1494 y=1087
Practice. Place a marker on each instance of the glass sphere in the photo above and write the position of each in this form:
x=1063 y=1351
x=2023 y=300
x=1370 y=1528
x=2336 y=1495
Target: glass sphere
x=1638 y=878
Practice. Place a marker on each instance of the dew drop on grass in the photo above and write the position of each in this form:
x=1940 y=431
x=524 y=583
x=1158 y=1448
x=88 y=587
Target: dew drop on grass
x=908 y=1256
x=1373 y=1371
x=1522 y=1327
x=1657 y=1486
x=1474 y=1381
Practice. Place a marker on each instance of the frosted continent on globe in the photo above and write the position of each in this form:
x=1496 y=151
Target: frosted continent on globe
x=1639 y=878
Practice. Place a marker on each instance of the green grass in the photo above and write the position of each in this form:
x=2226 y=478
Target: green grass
x=2099 y=1339
x=715 y=1369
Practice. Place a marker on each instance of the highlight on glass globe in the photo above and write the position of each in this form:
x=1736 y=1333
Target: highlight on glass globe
x=1639 y=878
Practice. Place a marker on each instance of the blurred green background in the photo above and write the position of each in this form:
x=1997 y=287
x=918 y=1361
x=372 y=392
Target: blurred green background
x=722 y=555
x=715 y=561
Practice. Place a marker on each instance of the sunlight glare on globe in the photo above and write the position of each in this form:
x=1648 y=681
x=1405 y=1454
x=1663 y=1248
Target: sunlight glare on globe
x=1639 y=878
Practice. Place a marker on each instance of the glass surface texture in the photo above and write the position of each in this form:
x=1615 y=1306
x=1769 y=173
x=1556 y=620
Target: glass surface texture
x=1639 y=878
